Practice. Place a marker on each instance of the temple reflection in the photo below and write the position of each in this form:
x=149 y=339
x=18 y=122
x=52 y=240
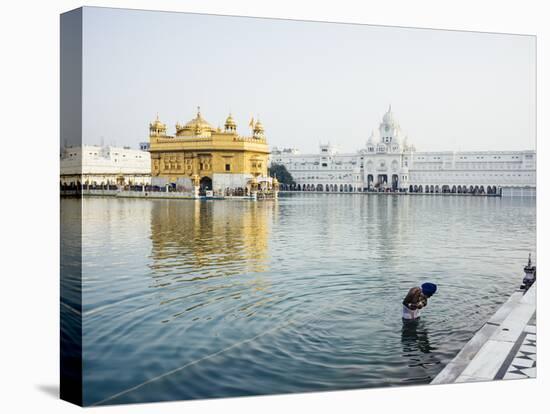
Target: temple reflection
x=208 y=239
x=209 y=259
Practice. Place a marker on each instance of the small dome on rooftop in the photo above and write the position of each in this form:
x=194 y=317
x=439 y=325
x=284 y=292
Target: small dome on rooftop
x=258 y=127
x=230 y=122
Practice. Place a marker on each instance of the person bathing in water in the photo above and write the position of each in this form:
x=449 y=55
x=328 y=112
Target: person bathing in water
x=416 y=299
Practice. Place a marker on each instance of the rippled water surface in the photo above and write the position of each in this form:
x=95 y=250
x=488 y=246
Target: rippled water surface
x=194 y=299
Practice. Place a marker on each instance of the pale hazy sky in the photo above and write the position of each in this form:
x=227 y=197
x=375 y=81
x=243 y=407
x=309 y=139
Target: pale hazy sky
x=309 y=82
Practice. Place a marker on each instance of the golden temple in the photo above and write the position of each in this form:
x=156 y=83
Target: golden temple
x=213 y=158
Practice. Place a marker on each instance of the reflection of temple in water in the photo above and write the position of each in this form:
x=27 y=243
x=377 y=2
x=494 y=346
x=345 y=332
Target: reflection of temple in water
x=208 y=239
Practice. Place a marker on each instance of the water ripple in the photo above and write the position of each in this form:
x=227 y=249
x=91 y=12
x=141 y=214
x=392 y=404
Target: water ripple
x=185 y=299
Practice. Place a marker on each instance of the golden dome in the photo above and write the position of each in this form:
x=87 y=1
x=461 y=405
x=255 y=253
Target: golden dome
x=157 y=124
x=258 y=127
x=198 y=123
x=230 y=123
x=230 y=120
x=157 y=128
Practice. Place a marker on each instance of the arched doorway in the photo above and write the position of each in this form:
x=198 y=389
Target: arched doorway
x=394 y=182
x=370 y=179
x=206 y=184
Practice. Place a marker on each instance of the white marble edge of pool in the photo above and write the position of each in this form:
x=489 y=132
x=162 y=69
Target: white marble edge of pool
x=483 y=355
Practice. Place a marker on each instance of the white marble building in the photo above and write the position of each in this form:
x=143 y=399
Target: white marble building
x=327 y=171
x=95 y=164
x=389 y=163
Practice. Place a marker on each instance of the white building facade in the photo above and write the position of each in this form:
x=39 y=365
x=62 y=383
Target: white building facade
x=105 y=165
x=389 y=163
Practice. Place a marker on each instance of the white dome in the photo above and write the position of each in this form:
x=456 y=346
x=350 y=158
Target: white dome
x=372 y=137
x=389 y=118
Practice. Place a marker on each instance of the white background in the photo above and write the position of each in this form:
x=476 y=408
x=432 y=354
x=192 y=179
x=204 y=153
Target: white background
x=29 y=226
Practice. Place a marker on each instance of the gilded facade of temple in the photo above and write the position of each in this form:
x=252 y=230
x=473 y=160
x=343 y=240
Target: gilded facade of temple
x=213 y=158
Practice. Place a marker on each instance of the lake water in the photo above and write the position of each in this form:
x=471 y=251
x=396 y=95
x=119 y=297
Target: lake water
x=188 y=299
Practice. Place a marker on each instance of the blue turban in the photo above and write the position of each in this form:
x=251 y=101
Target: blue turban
x=429 y=288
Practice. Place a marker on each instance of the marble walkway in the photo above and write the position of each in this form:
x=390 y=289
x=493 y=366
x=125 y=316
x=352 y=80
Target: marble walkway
x=504 y=348
x=522 y=361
